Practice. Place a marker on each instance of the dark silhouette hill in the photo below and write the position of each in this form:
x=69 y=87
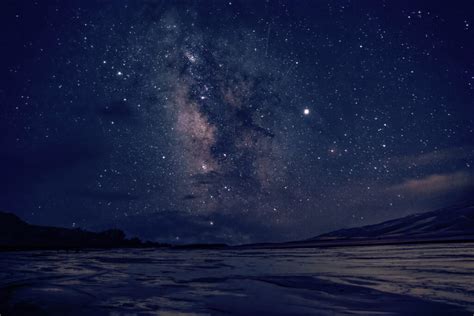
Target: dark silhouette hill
x=16 y=234
x=452 y=224
x=446 y=223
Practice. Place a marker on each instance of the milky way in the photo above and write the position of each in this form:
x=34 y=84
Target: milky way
x=223 y=119
x=240 y=121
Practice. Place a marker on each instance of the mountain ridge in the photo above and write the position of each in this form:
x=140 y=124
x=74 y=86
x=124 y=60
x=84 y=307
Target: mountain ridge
x=16 y=234
x=451 y=224
x=445 y=225
x=445 y=222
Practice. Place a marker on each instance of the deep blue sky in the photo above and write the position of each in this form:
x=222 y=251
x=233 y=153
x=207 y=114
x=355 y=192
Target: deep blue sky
x=234 y=121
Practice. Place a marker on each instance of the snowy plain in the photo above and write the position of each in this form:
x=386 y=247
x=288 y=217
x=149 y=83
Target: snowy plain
x=431 y=279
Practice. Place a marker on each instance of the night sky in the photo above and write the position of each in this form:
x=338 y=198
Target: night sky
x=234 y=121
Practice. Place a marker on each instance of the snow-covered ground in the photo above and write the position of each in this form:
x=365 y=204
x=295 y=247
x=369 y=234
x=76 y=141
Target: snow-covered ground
x=377 y=280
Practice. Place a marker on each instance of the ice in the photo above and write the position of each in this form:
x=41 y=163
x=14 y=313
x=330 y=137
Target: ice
x=434 y=279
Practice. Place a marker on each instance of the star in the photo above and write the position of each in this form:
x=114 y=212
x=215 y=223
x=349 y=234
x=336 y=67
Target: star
x=233 y=122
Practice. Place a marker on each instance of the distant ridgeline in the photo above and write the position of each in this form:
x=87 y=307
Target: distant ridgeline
x=452 y=224
x=455 y=222
x=16 y=234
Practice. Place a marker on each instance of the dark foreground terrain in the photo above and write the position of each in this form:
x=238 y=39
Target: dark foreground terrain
x=16 y=234
x=421 y=264
x=430 y=279
x=447 y=225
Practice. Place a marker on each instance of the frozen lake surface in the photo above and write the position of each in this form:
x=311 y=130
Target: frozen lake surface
x=378 y=280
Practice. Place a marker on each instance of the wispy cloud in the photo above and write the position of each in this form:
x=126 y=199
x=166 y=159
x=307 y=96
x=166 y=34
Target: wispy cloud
x=435 y=183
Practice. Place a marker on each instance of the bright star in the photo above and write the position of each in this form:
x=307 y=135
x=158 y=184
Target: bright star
x=306 y=111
